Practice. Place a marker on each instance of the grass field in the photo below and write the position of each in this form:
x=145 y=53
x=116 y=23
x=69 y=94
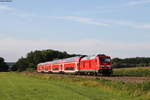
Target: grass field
x=135 y=71
x=26 y=86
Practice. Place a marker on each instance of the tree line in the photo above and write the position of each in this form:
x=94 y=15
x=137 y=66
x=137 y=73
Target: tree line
x=131 y=62
x=34 y=57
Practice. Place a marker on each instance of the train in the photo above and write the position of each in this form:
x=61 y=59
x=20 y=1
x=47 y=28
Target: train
x=91 y=65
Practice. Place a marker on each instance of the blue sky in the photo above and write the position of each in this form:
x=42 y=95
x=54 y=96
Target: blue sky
x=119 y=28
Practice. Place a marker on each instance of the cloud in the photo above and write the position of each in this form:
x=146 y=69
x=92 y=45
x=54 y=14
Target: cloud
x=138 y=2
x=130 y=24
x=82 y=20
x=86 y=20
x=25 y=15
x=16 y=12
x=12 y=49
x=105 y=22
x=6 y=8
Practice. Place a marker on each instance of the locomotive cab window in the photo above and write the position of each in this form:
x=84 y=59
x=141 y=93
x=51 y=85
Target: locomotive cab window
x=105 y=60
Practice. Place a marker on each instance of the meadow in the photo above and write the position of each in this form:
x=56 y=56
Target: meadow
x=31 y=86
x=135 y=71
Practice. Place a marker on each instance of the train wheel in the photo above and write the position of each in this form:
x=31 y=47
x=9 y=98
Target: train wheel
x=95 y=74
x=77 y=73
x=92 y=73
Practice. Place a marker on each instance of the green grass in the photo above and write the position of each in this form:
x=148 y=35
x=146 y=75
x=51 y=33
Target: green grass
x=136 y=71
x=26 y=86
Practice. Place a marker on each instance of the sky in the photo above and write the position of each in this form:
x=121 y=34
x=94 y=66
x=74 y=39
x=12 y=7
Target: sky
x=118 y=28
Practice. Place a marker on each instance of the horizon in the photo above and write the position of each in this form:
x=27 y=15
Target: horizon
x=118 y=28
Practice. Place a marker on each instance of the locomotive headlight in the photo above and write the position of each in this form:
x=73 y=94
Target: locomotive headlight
x=105 y=66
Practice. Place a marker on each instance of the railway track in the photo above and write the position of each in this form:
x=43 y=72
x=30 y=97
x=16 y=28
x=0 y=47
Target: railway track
x=113 y=78
x=119 y=78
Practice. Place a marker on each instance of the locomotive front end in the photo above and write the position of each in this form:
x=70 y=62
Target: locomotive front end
x=105 y=65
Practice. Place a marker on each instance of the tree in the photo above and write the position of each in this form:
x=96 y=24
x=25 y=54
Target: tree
x=1 y=59
x=3 y=66
x=20 y=65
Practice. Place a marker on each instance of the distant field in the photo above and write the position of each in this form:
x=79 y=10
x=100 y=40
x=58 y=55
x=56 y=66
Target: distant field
x=136 y=71
x=28 y=86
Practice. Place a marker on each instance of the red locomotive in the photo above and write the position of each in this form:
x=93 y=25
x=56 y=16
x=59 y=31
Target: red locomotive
x=93 y=65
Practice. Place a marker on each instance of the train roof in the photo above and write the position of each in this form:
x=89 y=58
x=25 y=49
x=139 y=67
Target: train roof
x=89 y=57
x=45 y=63
x=93 y=56
x=40 y=63
x=55 y=61
x=72 y=59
